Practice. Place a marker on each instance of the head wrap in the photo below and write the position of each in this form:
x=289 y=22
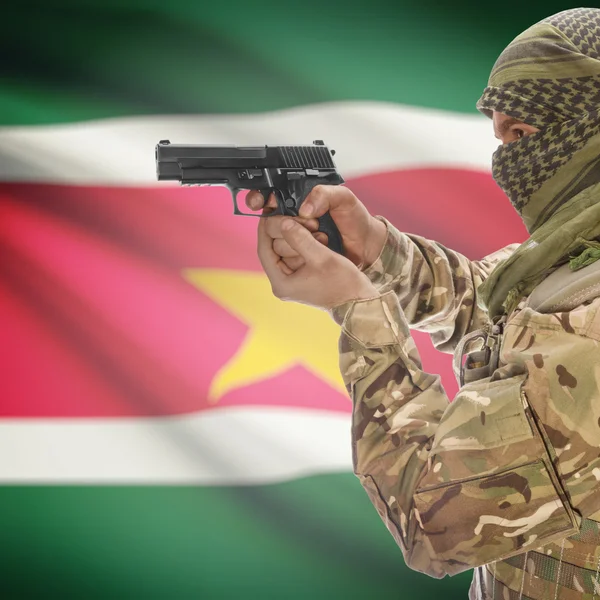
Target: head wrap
x=548 y=77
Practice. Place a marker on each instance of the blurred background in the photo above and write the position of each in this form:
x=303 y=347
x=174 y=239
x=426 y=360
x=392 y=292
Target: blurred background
x=167 y=428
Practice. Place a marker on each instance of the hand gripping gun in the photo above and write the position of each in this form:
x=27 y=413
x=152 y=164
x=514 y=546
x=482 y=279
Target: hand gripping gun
x=289 y=172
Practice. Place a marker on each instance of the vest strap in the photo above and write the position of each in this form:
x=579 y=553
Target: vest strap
x=565 y=289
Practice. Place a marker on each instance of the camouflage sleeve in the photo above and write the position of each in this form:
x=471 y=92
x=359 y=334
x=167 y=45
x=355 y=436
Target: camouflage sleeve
x=436 y=286
x=453 y=492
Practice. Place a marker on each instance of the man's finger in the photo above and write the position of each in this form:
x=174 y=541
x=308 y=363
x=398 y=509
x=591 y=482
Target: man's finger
x=272 y=201
x=302 y=241
x=273 y=225
x=285 y=268
x=268 y=258
x=294 y=262
x=321 y=237
x=322 y=199
x=271 y=204
x=283 y=249
x=254 y=200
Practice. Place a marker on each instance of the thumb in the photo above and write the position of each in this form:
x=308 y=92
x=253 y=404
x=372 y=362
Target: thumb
x=301 y=240
x=324 y=198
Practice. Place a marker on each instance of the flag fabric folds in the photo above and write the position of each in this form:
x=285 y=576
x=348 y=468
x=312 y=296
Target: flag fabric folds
x=167 y=427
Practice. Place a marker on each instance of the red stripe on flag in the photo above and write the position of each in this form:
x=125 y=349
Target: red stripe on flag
x=99 y=322
x=464 y=210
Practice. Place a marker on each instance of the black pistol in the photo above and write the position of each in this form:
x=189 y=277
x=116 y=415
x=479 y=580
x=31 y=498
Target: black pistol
x=289 y=172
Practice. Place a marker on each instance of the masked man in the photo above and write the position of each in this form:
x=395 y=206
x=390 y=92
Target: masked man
x=505 y=479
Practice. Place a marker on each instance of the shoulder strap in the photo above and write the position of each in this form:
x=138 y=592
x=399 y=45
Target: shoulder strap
x=565 y=289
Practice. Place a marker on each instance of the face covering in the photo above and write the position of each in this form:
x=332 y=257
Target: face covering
x=548 y=77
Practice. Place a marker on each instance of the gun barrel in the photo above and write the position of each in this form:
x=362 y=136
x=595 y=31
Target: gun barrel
x=173 y=159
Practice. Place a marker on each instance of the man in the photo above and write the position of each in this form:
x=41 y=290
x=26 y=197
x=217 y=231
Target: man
x=505 y=478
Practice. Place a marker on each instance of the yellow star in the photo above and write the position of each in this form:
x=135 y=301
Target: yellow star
x=280 y=334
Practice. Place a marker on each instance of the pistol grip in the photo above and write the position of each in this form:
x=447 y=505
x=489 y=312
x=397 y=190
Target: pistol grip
x=326 y=223
x=328 y=226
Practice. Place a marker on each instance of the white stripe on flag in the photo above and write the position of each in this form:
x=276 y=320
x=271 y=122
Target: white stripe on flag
x=368 y=136
x=223 y=446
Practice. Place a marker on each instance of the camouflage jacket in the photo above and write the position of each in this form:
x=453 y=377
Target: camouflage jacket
x=513 y=463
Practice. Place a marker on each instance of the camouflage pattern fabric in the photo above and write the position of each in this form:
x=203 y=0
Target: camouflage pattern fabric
x=548 y=77
x=506 y=476
x=573 y=563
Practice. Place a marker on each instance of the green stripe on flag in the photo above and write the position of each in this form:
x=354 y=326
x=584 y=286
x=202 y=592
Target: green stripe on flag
x=314 y=538
x=72 y=61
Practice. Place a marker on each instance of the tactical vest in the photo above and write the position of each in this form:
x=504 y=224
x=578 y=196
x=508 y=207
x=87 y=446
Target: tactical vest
x=574 y=564
x=569 y=570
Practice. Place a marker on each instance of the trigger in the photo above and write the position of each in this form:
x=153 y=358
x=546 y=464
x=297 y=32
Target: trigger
x=278 y=209
x=265 y=194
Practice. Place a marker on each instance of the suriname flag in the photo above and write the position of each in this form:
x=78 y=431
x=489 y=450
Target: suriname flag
x=168 y=428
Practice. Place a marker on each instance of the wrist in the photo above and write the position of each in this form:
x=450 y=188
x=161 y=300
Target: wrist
x=367 y=291
x=360 y=291
x=362 y=294
x=376 y=239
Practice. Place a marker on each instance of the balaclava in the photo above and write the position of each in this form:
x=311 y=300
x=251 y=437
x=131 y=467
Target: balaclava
x=548 y=77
